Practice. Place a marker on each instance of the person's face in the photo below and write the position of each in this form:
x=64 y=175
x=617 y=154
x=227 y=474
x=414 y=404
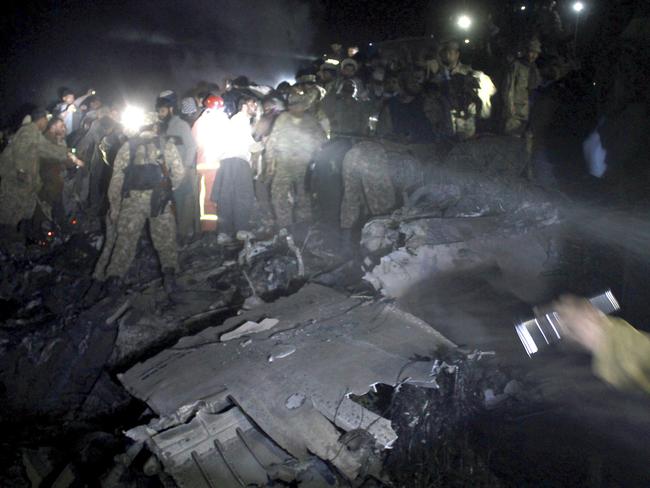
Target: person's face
x=164 y=113
x=251 y=107
x=532 y=56
x=419 y=77
x=348 y=71
x=326 y=75
x=41 y=123
x=336 y=48
x=68 y=99
x=58 y=130
x=450 y=57
x=95 y=105
x=391 y=85
x=413 y=87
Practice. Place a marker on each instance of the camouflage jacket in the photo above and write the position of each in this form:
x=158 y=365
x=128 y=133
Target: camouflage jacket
x=294 y=139
x=20 y=161
x=521 y=81
x=144 y=154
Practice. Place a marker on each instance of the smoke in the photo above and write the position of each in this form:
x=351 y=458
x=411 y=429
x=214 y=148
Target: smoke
x=265 y=41
x=130 y=51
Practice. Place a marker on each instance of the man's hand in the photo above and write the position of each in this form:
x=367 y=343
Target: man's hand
x=581 y=322
x=75 y=160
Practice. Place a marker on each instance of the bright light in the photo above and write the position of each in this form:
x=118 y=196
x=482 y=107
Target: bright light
x=133 y=118
x=578 y=7
x=370 y=44
x=332 y=61
x=464 y=22
x=523 y=7
x=466 y=41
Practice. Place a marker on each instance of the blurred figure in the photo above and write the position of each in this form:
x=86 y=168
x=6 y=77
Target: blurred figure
x=327 y=76
x=621 y=353
x=296 y=136
x=348 y=71
x=346 y=113
x=98 y=148
x=20 y=173
x=522 y=80
x=189 y=110
x=403 y=116
x=186 y=195
x=233 y=190
x=52 y=173
x=549 y=25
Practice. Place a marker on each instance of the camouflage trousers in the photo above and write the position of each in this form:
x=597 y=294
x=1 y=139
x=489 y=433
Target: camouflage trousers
x=122 y=237
x=367 y=187
x=288 y=192
x=17 y=201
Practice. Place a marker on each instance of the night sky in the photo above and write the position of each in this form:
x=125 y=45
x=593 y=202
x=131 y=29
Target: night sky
x=132 y=50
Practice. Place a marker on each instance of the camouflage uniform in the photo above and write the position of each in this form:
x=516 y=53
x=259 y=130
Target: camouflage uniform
x=290 y=147
x=523 y=78
x=20 y=173
x=131 y=213
x=367 y=186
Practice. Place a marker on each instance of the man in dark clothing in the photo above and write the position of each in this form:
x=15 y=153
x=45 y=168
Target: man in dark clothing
x=403 y=116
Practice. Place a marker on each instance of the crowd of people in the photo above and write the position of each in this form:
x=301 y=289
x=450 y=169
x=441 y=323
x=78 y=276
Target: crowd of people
x=238 y=157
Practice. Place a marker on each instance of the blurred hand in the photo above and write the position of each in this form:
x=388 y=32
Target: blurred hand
x=581 y=322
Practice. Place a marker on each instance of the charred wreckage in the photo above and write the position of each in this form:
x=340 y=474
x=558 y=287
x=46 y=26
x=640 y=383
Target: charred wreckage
x=280 y=362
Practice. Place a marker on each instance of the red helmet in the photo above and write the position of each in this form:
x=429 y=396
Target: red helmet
x=213 y=101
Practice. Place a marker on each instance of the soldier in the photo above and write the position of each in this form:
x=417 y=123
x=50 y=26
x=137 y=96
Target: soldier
x=523 y=78
x=186 y=195
x=145 y=171
x=296 y=136
x=20 y=164
x=367 y=186
x=451 y=64
x=347 y=114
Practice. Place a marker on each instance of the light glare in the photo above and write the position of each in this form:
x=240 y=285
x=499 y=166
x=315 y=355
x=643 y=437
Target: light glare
x=578 y=7
x=133 y=118
x=464 y=22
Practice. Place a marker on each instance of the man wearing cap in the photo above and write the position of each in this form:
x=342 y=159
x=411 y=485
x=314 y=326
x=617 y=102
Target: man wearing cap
x=295 y=138
x=69 y=108
x=348 y=71
x=522 y=79
x=147 y=168
x=327 y=75
x=186 y=196
x=451 y=65
x=20 y=165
